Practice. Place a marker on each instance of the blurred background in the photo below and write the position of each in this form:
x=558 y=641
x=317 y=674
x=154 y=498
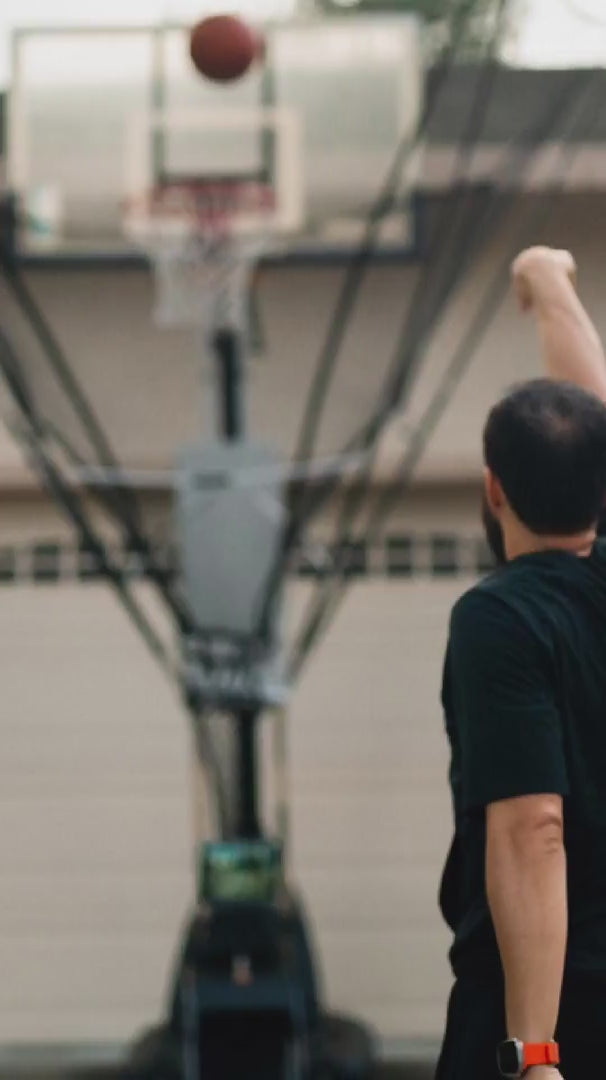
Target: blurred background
x=500 y=109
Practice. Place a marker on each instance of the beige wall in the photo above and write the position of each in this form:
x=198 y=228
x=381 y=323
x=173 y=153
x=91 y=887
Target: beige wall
x=372 y=811
x=96 y=826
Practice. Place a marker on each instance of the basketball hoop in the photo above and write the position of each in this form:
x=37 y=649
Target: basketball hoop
x=203 y=239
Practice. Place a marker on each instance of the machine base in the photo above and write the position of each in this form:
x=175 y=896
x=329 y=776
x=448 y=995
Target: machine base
x=340 y=1049
x=245 y=1004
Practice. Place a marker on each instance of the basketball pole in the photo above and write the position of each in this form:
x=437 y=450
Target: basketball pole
x=229 y=352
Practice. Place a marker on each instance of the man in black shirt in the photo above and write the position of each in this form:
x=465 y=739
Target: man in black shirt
x=524 y=888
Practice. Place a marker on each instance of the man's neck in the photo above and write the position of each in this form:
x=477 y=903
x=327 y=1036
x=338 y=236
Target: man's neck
x=527 y=543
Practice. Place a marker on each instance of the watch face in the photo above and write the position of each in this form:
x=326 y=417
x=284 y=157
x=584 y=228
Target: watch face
x=510 y=1059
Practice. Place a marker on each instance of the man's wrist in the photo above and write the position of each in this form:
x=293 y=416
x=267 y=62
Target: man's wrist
x=539 y=1059
x=542 y=1072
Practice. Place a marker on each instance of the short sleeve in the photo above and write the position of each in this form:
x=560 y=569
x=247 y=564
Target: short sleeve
x=502 y=690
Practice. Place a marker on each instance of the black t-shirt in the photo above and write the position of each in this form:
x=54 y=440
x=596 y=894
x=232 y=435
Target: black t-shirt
x=525 y=704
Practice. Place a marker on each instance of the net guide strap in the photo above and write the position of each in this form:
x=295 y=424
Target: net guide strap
x=204 y=239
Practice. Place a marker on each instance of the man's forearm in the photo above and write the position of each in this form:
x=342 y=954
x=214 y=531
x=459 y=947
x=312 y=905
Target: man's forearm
x=570 y=344
x=526 y=887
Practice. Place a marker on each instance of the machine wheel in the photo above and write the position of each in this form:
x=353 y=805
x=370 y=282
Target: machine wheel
x=156 y=1056
x=345 y=1050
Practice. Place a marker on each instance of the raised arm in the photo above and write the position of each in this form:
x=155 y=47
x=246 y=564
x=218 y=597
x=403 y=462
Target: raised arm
x=545 y=282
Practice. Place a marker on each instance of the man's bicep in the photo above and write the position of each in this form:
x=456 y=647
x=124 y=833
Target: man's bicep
x=508 y=723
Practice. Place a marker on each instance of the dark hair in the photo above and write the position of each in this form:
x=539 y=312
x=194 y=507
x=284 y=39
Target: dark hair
x=546 y=443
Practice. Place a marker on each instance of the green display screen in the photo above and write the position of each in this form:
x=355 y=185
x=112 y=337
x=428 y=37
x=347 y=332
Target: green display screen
x=241 y=870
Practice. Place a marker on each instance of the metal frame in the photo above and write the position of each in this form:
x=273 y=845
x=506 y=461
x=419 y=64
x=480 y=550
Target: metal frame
x=287 y=255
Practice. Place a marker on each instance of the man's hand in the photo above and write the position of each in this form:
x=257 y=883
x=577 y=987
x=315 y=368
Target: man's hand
x=545 y=283
x=538 y=270
x=544 y=1072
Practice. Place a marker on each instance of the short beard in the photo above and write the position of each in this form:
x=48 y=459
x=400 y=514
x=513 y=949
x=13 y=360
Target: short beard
x=494 y=534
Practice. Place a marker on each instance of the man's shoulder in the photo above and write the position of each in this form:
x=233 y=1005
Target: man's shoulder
x=492 y=590
x=521 y=595
x=488 y=600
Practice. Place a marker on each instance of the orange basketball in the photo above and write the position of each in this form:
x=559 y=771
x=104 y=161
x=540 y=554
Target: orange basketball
x=223 y=47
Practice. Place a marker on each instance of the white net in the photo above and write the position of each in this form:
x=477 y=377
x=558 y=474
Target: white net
x=204 y=283
x=204 y=244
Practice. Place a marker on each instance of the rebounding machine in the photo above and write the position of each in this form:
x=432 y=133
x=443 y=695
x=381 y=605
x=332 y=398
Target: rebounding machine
x=246 y=1001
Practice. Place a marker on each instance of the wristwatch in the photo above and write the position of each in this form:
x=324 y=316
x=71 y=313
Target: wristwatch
x=514 y=1058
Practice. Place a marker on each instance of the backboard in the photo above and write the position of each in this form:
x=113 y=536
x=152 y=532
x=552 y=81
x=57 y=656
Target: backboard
x=93 y=111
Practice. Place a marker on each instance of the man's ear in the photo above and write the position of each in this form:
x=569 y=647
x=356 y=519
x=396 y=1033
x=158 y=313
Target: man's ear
x=494 y=492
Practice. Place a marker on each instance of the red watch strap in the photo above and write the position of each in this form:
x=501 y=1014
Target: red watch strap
x=541 y=1054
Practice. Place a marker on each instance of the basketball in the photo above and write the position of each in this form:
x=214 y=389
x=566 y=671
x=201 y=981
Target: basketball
x=224 y=47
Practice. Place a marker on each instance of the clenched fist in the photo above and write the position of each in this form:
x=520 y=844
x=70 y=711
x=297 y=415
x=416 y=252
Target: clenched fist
x=540 y=270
